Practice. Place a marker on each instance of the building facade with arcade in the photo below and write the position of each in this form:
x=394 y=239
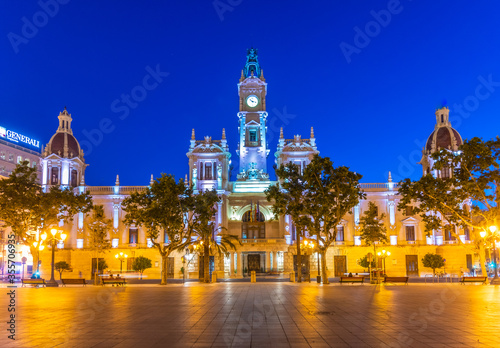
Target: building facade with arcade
x=267 y=241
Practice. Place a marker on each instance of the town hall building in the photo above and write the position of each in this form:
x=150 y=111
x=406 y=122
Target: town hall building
x=267 y=241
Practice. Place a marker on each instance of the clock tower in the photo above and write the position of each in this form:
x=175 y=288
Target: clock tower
x=252 y=118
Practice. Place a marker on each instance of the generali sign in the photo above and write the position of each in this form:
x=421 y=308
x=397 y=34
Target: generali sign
x=17 y=137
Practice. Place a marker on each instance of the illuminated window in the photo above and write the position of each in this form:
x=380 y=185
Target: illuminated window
x=11 y=157
x=208 y=170
x=60 y=245
x=19 y=159
x=253 y=135
x=340 y=234
x=79 y=243
x=467 y=233
x=150 y=243
x=410 y=233
x=133 y=234
x=394 y=240
x=357 y=240
x=2 y=155
x=54 y=179
x=280 y=261
x=114 y=243
x=34 y=164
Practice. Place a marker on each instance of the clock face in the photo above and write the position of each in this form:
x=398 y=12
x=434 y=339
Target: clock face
x=252 y=101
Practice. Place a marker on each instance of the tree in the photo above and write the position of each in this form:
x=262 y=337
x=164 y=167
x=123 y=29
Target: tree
x=141 y=264
x=363 y=262
x=205 y=232
x=161 y=209
x=469 y=198
x=330 y=194
x=27 y=209
x=288 y=198
x=372 y=227
x=102 y=265
x=433 y=261
x=61 y=266
x=98 y=229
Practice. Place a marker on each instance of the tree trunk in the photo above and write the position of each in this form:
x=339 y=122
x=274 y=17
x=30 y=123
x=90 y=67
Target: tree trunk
x=206 y=263
x=96 y=269
x=299 y=260
x=323 y=266
x=482 y=260
x=164 y=262
x=36 y=257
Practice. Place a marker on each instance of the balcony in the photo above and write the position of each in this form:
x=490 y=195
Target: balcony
x=261 y=240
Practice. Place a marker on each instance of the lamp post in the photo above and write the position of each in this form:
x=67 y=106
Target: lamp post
x=54 y=237
x=122 y=257
x=383 y=254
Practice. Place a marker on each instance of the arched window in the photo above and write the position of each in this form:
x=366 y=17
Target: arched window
x=448 y=236
x=54 y=178
x=208 y=171
x=253 y=225
x=74 y=178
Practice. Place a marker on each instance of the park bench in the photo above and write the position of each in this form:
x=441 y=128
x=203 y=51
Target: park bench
x=396 y=280
x=34 y=282
x=73 y=281
x=117 y=281
x=352 y=280
x=473 y=280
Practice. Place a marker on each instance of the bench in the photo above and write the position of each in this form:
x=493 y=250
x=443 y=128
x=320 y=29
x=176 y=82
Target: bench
x=117 y=281
x=396 y=280
x=34 y=282
x=73 y=281
x=473 y=280
x=352 y=280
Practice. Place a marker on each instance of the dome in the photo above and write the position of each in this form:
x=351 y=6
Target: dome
x=56 y=145
x=443 y=138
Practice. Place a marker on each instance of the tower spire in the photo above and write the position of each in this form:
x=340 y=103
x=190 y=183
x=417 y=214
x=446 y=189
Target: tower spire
x=223 y=133
x=312 y=133
x=192 y=135
x=281 y=133
x=252 y=66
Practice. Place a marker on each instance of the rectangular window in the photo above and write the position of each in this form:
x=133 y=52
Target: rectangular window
x=410 y=233
x=340 y=234
x=409 y=211
x=357 y=240
x=447 y=234
x=34 y=164
x=60 y=245
x=150 y=243
x=114 y=243
x=280 y=261
x=445 y=172
x=253 y=135
x=467 y=233
x=19 y=159
x=165 y=238
x=11 y=157
x=394 y=240
x=208 y=170
x=79 y=243
x=133 y=234
x=2 y=155
x=54 y=179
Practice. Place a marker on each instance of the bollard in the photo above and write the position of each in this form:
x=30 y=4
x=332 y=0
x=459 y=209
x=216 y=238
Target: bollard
x=292 y=277
x=214 y=277
x=253 y=278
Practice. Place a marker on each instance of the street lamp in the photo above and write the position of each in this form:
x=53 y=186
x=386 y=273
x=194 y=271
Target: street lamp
x=122 y=257
x=39 y=247
x=53 y=239
x=383 y=255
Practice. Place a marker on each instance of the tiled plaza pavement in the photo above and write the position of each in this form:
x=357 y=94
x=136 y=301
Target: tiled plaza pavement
x=257 y=315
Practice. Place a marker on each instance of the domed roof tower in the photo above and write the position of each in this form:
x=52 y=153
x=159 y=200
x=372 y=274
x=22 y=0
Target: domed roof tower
x=63 y=162
x=444 y=136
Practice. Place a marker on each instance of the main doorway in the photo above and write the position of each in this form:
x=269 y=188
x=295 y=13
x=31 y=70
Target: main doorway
x=412 y=265
x=340 y=265
x=254 y=263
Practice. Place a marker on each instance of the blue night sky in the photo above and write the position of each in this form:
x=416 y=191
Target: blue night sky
x=372 y=108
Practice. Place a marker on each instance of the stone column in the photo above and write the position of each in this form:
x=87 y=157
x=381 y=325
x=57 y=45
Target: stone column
x=268 y=261
x=231 y=266
x=275 y=261
x=239 y=270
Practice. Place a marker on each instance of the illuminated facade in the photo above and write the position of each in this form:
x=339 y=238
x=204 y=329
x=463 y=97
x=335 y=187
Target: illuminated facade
x=267 y=241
